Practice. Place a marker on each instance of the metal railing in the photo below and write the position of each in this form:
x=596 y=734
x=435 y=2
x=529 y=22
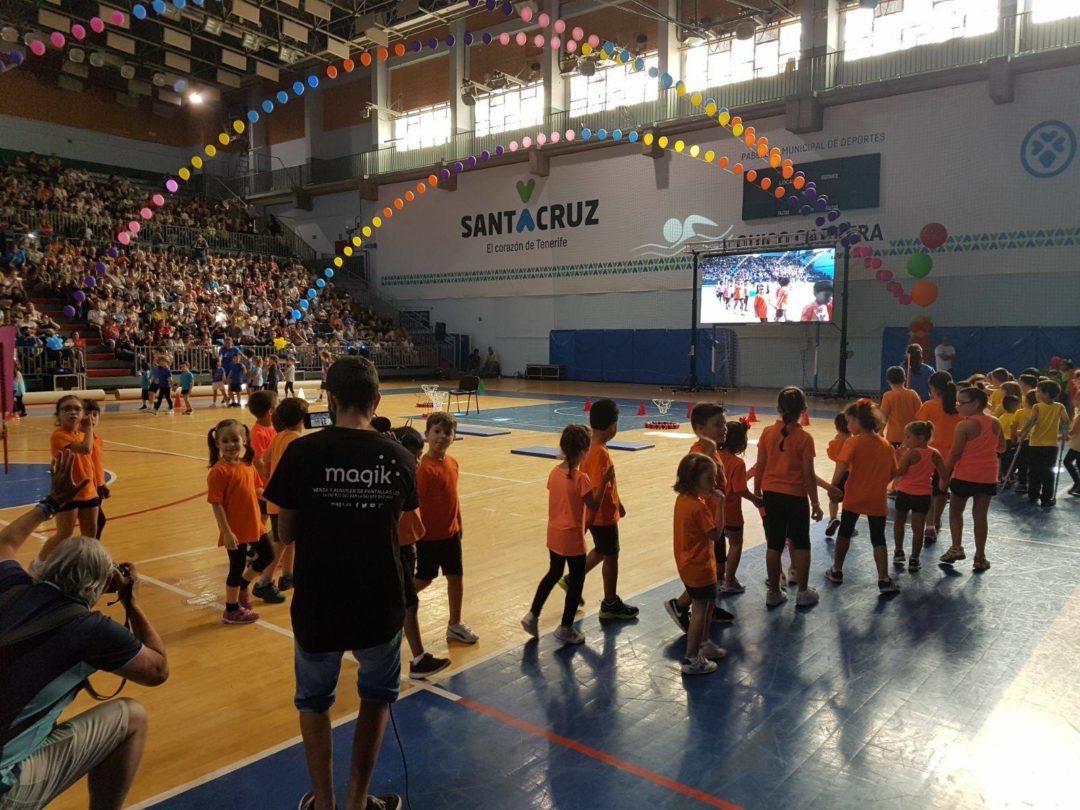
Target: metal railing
x=39 y=361
x=1016 y=35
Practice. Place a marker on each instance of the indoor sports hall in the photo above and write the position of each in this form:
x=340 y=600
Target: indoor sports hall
x=840 y=233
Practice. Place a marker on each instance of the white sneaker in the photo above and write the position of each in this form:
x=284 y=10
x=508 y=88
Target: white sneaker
x=774 y=598
x=807 y=598
x=732 y=586
x=711 y=651
x=531 y=624
x=568 y=635
x=698 y=666
x=461 y=634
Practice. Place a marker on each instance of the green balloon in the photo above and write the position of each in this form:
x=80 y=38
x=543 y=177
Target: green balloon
x=920 y=265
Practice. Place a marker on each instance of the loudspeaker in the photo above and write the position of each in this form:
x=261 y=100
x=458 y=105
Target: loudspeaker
x=440 y=331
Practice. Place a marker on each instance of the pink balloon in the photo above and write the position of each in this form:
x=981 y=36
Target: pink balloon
x=158 y=200
x=577 y=33
x=885 y=275
x=504 y=38
x=134 y=226
x=526 y=13
x=555 y=137
x=571 y=46
x=520 y=38
x=541 y=138
x=57 y=39
x=97 y=25
x=78 y=32
x=171 y=185
x=560 y=26
x=538 y=40
x=117 y=18
x=543 y=20
x=570 y=135
x=526 y=142
x=146 y=213
x=37 y=47
x=875 y=263
x=124 y=238
x=556 y=43
x=513 y=146
x=594 y=40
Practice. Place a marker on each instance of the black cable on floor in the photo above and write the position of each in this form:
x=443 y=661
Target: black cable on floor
x=404 y=765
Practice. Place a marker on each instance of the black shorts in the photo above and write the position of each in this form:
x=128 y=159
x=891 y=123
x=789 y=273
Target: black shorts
x=262 y=507
x=433 y=555
x=968 y=489
x=273 y=528
x=786 y=517
x=877 y=526
x=729 y=530
x=936 y=483
x=236 y=388
x=91 y=503
x=408 y=574
x=702 y=591
x=606 y=539
x=919 y=504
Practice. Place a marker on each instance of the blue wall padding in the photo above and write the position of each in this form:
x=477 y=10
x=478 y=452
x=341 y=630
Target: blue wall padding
x=653 y=356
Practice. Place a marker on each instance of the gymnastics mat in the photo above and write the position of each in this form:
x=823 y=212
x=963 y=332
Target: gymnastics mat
x=475 y=430
x=539 y=452
x=618 y=445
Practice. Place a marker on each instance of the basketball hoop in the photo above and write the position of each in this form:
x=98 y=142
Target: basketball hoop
x=438 y=399
x=663 y=405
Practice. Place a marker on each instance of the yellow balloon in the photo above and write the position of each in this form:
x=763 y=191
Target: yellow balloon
x=680 y=89
x=338 y=261
x=724 y=118
x=376 y=222
x=695 y=99
x=357 y=241
x=695 y=150
x=737 y=130
x=710 y=109
x=366 y=231
x=184 y=173
x=196 y=162
x=238 y=126
x=586 y=49
x=679 y=146
x=210 y=150
x=663 y=142
x=647 y=138
x=347 y=250
x=223 y=138
x=710 y=156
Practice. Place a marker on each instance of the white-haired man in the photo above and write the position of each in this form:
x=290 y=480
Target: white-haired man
x=50 y=642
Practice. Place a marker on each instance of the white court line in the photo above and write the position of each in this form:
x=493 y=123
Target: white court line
x=496 y=477
x=187 y=553
x=158 y=450
x=438 y=690
x=166 y=430
x=215 y=605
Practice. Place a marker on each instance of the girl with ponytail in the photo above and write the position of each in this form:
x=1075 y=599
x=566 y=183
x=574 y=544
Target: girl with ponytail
x=940 y=410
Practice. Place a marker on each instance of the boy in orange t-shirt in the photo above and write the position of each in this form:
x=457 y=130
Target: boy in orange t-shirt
x=261 y=405
x=603 y=524
x=440 y=547
x=289 y=417
x=899 y=406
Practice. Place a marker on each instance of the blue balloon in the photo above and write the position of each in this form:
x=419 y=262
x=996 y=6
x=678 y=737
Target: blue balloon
x=159 y=6
x=709 y=101
x=180 y=86
x=199 y=3
x=313 y=81
x=282 y=97
x=654 y=72
x=639 y=63
x=311 y=293
x=253 y=116
x=304 y=304
x=666 y=80
x=298 y=88
x=138 y=11
x=320 y=283
x=296 y=315
x=328 y=272
x=601 y=134
x=268 y=106
x=609 y=46
x=627 y=56
x=616 y=135
x=180 y=4
x=586 y=133
x=632 y=137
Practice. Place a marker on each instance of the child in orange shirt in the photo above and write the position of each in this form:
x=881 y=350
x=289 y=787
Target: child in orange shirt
x=570 y=494
x=735 y=478
x=898 y=405
x=410 y=530
x=941 y=411
x=698 y=521
x=289 y=424
x=869 y=462
x=917 y=464
x=74 y=432
x=231 y=493
x=833 y=452
x=98 y=457
x=603 y=524
x=440 y=547
x=261 y=405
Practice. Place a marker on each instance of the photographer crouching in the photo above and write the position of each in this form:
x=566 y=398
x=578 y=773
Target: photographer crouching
x=50 y=643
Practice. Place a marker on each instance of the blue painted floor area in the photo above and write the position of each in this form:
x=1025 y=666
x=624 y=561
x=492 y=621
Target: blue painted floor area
x=959 y=692
x=27 y=484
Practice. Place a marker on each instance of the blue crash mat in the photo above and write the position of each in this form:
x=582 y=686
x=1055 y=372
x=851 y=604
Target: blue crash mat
x=475 y=430
x=539 y=452
x=618 y=445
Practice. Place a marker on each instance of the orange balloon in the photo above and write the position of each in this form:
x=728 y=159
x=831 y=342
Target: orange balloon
x=383 y=54
x=762 y=148
x=924 y=293
x=748 y=138
x=780 y=192
x=365 y=59
x=399 y=49
x=724 y=162
x=388 y=212
x=774 y=161
x=766 y=183
x=421 y=187
x=409 y=196
x=751 y=131
x=737 y=168
x=736 y=121
x=787 y=171
x=799 y=182
x=349 y=65
x=331 y=71
x=432 y=180
x=764 y=140
x=751 y=176
x=399 y=203
x=788 y=162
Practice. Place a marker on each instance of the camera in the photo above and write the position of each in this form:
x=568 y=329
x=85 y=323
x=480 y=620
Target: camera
x=119 y=577
x=318 y=419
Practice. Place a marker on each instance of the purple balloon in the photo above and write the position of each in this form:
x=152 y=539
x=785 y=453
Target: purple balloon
x=433 y=43
x=832 y=230
x=486 y=39
x=100 y=267
x=467 y=39
x=90 y=281
x=69 y=311
x=806 y=209
x=820 y=221
x=459 y=167
x=79 y=296
x=507 y=9
x=498 y=150
x=112 y=253
x=820 y=204
x=417 y=46
x=471 y=160
x=809 y=193
x=904 y=299
x=833 y=216
x=489 y=5
x=445 y=174
x=450 y=41
x=844 y=242
x=485 y=155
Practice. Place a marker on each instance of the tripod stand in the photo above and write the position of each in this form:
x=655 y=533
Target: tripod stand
x=841 y=389
x=692 y=384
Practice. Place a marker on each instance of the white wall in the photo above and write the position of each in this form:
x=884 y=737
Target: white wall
x=28 y=135
x=948 y=155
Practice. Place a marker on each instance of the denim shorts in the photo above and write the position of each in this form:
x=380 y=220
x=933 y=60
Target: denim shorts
x=317 y=675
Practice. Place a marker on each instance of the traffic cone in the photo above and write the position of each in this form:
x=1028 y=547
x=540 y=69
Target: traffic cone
x=689 y=409
x=805 y=420
x=641 y=408
x=588 y=405
x=177 y=402
x=753 y=415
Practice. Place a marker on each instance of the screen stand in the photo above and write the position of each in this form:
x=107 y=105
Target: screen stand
x=841 y=389
x=692 y=385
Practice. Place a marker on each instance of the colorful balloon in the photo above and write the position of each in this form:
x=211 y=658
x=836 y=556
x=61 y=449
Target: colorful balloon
x=933 y=235
x=924 y=293
x=920 y=265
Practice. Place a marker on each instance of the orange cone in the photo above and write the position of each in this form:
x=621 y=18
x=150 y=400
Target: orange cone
x=689 y=409
x=588 y=405
x=753 y=415
x=641 y=408
x=805 y=420
x=177 y=402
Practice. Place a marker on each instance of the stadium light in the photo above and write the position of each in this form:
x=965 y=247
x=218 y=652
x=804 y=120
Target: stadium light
x=195 y=98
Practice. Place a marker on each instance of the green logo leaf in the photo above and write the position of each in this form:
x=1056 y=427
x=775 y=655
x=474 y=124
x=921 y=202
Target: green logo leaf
x=525 y=190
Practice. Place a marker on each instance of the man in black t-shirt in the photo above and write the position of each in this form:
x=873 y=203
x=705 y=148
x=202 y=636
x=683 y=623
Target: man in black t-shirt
x=341 y=491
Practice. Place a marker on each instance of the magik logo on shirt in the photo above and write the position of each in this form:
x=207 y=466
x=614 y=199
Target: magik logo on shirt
x=368 y=477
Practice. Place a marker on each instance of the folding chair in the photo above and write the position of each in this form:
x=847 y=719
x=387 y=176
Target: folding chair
x=468 y=387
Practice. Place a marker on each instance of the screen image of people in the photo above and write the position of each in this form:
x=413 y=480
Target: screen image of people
x=783 y=287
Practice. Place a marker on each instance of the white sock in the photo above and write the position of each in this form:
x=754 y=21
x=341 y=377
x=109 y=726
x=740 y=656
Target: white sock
x=418 y=658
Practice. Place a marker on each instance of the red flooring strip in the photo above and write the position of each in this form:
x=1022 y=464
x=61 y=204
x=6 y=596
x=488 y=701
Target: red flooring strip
x=600 y=756
x=159 y=507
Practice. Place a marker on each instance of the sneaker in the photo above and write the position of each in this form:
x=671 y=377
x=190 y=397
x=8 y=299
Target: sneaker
x=680 y=617
x=269 y=593
x=807 y=598
x=887 y=585
x=428 y=665
x=711 y=651
x=241 y=615
x=531 y=624
x=390 y=801
x=830 y=530
x=899 y=558
x=307 y=802
x=568 y=635
x=285 y=582
x=1074 y=490
x=697 y=666
x=952 y=555
x=565 y=586
x=929 y=535
x=792 y=577
x=617 y=609
x=732 y=586
x=774 y=598
x=721 y=616
x=913 y=565
x=461 y=633
x=835 y=576
x=245 y=600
